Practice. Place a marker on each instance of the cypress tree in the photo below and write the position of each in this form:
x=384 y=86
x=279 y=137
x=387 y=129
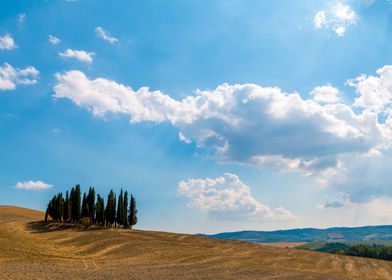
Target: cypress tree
x=120 y=209
x=51 y=207
x=84 y=206
x=77 y=203
x=66 y=207
x=60 y=206
x=110 y=211
x=72 y=205
x=100 y=211
x=113 y=210
x=91 y=204
x=132 y=212
x=125 y=210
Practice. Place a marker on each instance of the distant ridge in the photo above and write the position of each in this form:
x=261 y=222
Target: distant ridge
x=364 y=233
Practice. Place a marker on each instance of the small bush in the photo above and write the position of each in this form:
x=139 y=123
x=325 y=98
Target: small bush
x=86 y=221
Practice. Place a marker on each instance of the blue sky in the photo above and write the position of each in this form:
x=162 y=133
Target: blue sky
x=216 y=115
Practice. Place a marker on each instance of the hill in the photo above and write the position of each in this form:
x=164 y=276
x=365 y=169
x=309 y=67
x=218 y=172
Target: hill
x=34 y=249
x=351 y=234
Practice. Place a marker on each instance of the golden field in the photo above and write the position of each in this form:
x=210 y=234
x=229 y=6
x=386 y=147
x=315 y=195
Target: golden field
x=32 y=249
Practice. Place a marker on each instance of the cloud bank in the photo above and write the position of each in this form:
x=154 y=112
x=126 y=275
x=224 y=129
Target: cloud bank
x=241 y=123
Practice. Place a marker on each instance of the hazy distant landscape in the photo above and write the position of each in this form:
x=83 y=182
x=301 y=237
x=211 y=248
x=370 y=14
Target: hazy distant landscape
x=368 y=241
x=350 y=234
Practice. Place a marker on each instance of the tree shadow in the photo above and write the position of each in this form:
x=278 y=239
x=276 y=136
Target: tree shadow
x=52 y=226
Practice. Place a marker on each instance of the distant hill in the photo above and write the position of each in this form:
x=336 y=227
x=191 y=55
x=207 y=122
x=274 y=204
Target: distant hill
x=357 y=234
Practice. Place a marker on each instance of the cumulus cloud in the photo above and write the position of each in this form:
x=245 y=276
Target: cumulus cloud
x=337 y=18
x=10 y=77
x=242 y=123
x=227 y=197
x=82 y=56
x=326 y=94
x=320 y=19
x=375 y=92
x=102 y=33
x=7 y=42
x=102 y=96
x=54 y=40
x=33 y=185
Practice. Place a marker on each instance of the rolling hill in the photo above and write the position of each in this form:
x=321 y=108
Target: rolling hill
x=33 y=249
x=356 y=234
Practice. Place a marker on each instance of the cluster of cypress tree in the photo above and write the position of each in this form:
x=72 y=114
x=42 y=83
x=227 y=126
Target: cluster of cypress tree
x=90 y=211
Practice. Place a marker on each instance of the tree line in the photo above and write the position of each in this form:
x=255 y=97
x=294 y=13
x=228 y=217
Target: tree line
x=90 y=209
x=375 y=251
x=370 y=251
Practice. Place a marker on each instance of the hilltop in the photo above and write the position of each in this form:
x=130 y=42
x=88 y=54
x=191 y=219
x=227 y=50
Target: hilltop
x=48 y=250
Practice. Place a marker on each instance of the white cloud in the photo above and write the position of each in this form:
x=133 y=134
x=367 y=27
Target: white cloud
x=10 y=77
x=345 y=14
x=227 y=197
x=339 y=17
x=340 y=30
x=82 y=56
x=7 y=42
x=326 y=94
x=183 y=138
x=33 y=185
x=102 y=33
x=21 y=18
x=54 y=40
x=102 y=96
x=241 y=123
x=375 y=92
x=320 y=19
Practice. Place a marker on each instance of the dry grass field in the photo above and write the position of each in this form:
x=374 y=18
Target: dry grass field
x=284 y=244
x=32 y=249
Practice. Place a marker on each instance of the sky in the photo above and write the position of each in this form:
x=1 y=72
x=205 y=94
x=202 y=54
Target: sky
x=217 y=115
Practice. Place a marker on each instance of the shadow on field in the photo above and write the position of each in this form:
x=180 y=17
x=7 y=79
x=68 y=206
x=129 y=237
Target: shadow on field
x=42 y=226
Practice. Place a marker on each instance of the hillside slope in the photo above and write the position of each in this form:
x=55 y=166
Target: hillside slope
x=38 y=250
